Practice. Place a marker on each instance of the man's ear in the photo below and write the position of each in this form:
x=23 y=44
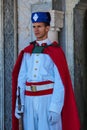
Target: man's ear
x=48 y=28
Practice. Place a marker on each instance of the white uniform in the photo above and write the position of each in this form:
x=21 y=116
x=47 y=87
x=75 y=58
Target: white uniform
x=37 y=68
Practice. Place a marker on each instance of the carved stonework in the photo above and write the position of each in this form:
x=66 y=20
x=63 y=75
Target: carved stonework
x=56 y=19
x=1 y=69
x=8 y=59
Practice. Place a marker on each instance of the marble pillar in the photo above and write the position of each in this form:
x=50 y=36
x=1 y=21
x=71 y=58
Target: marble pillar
x=80 y=61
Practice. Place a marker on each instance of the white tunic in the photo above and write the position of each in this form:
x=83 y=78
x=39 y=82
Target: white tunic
x=40 y=67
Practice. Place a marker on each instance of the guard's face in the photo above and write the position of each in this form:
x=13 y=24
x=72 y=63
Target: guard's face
x=40 y=30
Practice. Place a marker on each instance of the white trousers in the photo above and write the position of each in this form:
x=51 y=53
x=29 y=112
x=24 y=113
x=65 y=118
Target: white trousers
x=36 y=112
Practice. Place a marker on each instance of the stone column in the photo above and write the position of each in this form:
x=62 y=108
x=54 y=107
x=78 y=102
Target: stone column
x=56 y=24
x=69 y=35
x=9 y=54
x=1 y=69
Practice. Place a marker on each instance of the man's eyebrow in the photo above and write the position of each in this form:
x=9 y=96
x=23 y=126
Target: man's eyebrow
x=36 y=26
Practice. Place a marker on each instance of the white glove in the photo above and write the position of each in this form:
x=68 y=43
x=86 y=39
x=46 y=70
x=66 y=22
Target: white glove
x=53 y=117
x=18 y=111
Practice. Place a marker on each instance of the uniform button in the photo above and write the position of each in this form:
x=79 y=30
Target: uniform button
x=35 y=68
x=37 y=61
x=35 y=75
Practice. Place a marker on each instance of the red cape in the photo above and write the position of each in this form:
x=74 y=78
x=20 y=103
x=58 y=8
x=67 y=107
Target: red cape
x=70 y=118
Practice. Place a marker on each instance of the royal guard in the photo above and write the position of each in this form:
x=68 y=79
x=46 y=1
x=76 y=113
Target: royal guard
x=42 y=92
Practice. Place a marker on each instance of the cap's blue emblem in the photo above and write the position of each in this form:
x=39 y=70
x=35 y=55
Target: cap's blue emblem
x=35 y=17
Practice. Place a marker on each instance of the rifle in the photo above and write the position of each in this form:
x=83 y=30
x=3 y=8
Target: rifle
x=21 y=126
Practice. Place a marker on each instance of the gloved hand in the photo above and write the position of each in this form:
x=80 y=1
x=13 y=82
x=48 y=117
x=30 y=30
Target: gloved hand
x=53 y=117
x=18 y=110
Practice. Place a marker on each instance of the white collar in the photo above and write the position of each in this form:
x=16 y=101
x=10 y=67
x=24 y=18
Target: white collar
x=44 y=41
